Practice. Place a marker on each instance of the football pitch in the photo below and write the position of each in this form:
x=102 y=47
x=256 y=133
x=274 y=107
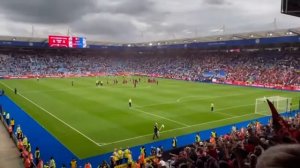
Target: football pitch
x=92 y=120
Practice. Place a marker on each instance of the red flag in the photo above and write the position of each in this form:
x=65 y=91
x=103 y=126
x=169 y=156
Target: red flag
x=280 y=126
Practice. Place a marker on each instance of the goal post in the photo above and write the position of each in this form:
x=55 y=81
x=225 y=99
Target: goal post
x=282 y=104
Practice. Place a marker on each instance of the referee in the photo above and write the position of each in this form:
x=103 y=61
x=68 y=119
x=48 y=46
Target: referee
x=212 y=107
x=156 y=132
x=130 y=102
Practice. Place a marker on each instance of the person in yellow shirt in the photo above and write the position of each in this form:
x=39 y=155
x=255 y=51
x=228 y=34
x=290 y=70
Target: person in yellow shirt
x=25 y=142
x=12 y=123
x=120 y=156
x=127 y=152
x=73 y=163
x=214 y=133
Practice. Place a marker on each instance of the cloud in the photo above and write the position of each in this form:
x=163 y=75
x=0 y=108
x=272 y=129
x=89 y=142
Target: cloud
x=216 y=2
x=127 y=7
x=139 y=20
x=106 y=26
x=46 y=11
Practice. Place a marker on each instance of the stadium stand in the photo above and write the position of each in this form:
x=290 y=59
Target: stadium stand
x=263 y=67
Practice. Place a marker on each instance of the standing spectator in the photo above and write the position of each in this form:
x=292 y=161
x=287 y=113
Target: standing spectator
x=27 y=163
x=37 y=155
x=127 y=152
x=40 y=164
x=174 y=142
x=73 y=163
x=28 y=147
x=12 y=123
x=197 y=138
x=120 y=156
x=25 y=142
x=88 y=165
x=10 y=131
x=52 y=163
x=7 y=118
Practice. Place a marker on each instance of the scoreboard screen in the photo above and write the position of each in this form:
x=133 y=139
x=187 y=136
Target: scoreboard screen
x=66 y=42
x=59 y=41
x=78 y=42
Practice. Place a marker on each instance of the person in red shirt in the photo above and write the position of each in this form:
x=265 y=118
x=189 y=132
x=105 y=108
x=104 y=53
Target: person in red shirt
x=40 y=164
x=27 y=163
x=88 y=165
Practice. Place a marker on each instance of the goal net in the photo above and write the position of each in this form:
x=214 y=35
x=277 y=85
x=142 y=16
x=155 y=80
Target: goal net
x=282 y=104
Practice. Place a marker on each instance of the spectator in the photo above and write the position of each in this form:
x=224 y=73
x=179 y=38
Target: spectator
x=52 y=163
x=73 y=163
x=88 y=165
x=7 y=118
x=40 y=164
x=12 y=123
x=37 y=155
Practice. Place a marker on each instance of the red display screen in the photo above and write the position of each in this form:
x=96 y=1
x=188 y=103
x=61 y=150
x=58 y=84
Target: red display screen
x=60 y=41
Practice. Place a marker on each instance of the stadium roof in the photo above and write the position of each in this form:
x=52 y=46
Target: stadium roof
x=226 y=37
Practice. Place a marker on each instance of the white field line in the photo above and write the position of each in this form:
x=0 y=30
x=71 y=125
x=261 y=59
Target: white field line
x=54 y=116
x=180 y=128
x=231 y=107
x=86 y=87
x=158 y=116
x=179 y=100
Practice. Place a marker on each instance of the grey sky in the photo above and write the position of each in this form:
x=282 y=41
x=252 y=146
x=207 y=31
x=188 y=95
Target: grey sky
x=139 y=20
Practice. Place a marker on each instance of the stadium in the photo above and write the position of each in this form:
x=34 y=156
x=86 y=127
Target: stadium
x=223 y=100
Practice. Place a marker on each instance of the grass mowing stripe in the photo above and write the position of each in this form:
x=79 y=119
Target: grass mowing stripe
x=54 y=116
x=158 y=116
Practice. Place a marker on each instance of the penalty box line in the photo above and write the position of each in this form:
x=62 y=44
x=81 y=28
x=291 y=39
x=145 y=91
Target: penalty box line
x=85 y=136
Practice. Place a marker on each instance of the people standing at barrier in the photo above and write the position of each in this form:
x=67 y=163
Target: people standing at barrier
x=174 y=142
x=73 y=163
x=127 y=152
x=25 y=142
x=40 y=164
x=197 y=138
x=28 y=147
x=37 y=155
x=52 y=163
x=120 y=156
x=12 y=123
x=27 y=163
x=7 y=118
x=88 y=165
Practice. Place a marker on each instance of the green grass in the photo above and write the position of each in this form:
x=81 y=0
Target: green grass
x=91 y=121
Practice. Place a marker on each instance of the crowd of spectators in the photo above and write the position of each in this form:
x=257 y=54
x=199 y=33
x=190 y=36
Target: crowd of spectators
x=257 y=146
x=261 y=67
